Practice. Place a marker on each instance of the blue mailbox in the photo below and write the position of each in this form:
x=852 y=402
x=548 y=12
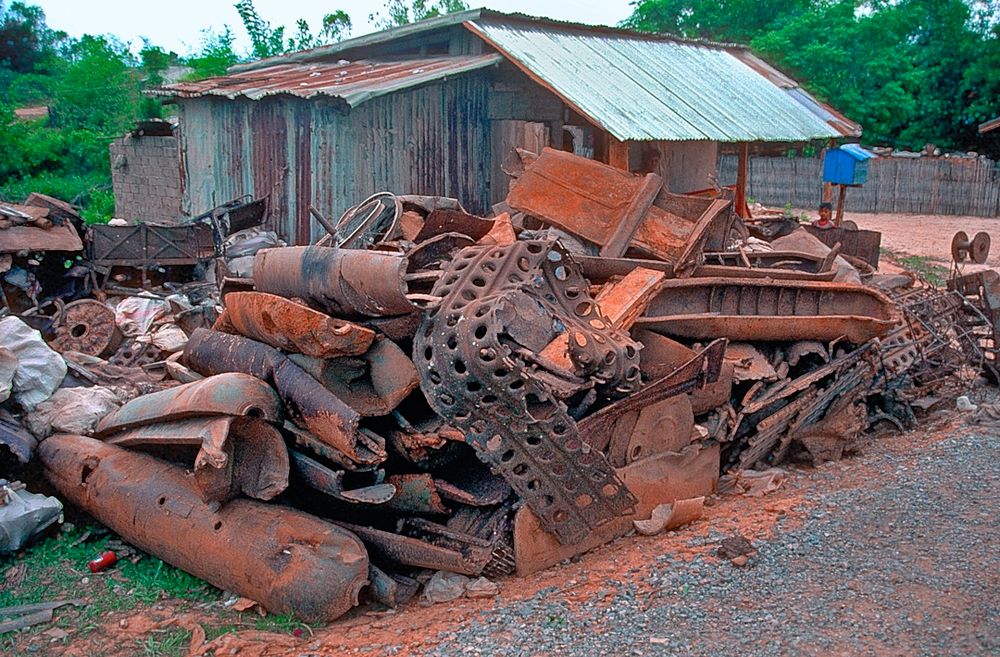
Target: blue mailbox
x=847 y=165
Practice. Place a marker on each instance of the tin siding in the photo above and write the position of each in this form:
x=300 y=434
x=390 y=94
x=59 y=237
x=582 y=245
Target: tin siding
x=432 y=140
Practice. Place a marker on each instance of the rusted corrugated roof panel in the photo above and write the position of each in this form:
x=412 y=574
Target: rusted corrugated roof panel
x=354 y=82
x=835 y=119
x=987 y=126
x=654 y=89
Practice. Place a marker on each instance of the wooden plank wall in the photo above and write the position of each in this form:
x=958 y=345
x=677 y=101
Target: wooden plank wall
x=949 y=186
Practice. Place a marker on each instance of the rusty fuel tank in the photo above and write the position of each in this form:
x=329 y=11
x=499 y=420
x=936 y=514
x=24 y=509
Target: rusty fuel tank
x=288 y=561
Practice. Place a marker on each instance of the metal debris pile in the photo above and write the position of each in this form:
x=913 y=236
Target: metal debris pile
x=425 y=390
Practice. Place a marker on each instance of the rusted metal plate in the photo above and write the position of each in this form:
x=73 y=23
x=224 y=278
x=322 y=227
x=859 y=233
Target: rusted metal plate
x=663 y=426
x=863 y=244
x=343 y=282
x=372 y=385
x=288 y=561
x=61 y=237
x=225 y=394
x=747 y=309
x=597 y=428
x=500 y=308
x=87 y=326
x=291 y=326
x=660 y=479
x=235 y=455
x=322 y=413
x=591 y=200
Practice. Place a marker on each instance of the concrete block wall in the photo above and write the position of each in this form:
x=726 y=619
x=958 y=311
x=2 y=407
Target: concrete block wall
x=146 y=178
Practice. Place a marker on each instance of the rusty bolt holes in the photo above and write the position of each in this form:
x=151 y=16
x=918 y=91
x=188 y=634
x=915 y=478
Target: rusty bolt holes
x=78 y=330
x=480 y=331
x=534 y=248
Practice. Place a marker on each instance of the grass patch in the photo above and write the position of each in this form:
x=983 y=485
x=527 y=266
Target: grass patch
x=928 y=268
x=164 y=643
x=56 y=568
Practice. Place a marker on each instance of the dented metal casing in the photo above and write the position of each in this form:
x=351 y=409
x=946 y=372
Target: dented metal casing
x=288 y=561
x=235 y=455
x=343 y=282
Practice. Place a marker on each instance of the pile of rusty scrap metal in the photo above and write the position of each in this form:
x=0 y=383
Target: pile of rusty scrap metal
x=39 y=245
x=428 y=390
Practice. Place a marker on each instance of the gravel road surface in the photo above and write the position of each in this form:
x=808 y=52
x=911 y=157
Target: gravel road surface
x=898 y=557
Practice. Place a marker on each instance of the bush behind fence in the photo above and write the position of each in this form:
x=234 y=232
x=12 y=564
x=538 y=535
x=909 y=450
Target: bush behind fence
x=919 y=185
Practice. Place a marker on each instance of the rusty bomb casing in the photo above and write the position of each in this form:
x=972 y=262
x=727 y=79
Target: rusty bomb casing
x=288 y=561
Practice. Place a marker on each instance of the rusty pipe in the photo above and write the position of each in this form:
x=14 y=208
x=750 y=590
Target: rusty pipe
x=288 y=561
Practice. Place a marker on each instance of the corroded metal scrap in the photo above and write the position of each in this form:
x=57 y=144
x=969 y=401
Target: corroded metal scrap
x=291 y=326
x=319 y=410
x=475 y=355
x=288 y=561
x=226 y=394
x=235 y=455
x=374 y=384
x=343 y=282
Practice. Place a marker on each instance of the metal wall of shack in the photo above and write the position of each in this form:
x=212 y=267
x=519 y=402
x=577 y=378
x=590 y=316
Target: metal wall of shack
x=433 y=139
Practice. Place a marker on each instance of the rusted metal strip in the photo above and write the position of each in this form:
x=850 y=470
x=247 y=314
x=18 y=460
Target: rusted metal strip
x=331 y=482
x=633 y=216
x=226 y=394
x=322 y=413
x=419 y=553
x=291 y=326
x=343 y=282
x=288 y=561
x=747 y=309
x=236 y=455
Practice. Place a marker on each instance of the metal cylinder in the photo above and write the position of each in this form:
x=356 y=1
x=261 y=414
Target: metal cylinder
x=288 y=561
x=343 y=282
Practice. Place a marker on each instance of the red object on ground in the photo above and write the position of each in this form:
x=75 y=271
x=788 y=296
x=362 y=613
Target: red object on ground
x=106 y=560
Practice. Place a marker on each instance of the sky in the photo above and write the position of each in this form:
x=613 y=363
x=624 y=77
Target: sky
x=177 y=25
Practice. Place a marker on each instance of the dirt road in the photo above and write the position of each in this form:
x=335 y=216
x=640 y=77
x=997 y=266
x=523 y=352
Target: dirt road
x=926 y=235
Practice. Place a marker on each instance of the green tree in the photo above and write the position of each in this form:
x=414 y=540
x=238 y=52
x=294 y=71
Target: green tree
x=401 y=12
x=910 y=71
x=736 y=21
x=25 y=39
x=267 y=41
x=215 y=56
x=100 y=89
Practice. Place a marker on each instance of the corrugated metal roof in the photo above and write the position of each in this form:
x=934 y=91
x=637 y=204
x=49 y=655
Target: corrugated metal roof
x=354 y=82
x=836 y=120
x=653 y=89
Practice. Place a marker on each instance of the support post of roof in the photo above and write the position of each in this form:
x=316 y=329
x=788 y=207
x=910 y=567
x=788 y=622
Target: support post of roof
x=741 y=180
x=618 y=153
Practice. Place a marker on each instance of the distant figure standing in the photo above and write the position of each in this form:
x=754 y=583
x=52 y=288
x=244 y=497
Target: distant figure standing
x=825 y=212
